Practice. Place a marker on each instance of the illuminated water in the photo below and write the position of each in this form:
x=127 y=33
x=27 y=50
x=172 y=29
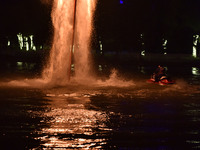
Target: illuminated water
x=71 y=43
x=118 y=112
x=114 y=114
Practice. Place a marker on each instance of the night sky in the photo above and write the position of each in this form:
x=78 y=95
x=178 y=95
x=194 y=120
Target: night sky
x=29 y=15
x=119 y=20
x=26 y=16
x=176 y=20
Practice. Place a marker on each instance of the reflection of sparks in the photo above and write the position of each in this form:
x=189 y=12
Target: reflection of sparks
x=73 y=126
x=77 y=143
x=76 y=120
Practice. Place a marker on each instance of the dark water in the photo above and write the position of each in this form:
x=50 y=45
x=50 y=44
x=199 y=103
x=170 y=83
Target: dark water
x=141 y=116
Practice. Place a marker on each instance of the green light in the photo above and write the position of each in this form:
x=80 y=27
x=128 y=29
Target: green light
x=195 y=42
x=143 y=53
x=26 y=44
x=20 y=40
x=8 y=43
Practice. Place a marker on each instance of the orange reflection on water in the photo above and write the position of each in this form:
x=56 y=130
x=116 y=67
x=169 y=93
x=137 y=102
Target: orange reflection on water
x=71 y=125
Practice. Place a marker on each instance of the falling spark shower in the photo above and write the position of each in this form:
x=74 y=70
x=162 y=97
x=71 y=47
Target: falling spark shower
x=71 y=43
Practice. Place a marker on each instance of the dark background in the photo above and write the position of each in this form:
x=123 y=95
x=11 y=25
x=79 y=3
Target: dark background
x=26 y=17
x=175 y=20
x=118 y=24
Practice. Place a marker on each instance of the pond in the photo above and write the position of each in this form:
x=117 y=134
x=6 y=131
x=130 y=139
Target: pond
x=115 y=113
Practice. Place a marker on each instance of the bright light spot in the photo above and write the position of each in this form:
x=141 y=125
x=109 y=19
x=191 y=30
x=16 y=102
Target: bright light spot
x=32 y=46
x=142 y=43
x=72 y=67
x=195 y=71
x=143 y=53
x=193 y=142
x=195 y=42
x=73 y=119
x=20 y=39
x=100 y=68
x=196 y=37
x=26 y=44
x=121 y=2
x=8 y=43
x=194 y=52
x=101 y=47
x=19 y=63
x=141 y=35
x=73 y=47
x=164 y=44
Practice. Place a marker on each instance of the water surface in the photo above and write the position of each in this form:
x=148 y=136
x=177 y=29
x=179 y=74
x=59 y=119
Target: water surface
x=103 y=116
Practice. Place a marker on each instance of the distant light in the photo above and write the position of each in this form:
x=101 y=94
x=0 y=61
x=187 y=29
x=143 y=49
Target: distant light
x=101 y=47
x=8 y=43
x=195 y=71
x=194 y=52
x=164 y=43
x=26 y=44
x=20 y=40
x=142 y=44
x=121 y=2
x=72 y=67
x=141 y=35
x=100 y=68
x=195 y=43
x=20 y=65
x=143 y=53
x=34 y=48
